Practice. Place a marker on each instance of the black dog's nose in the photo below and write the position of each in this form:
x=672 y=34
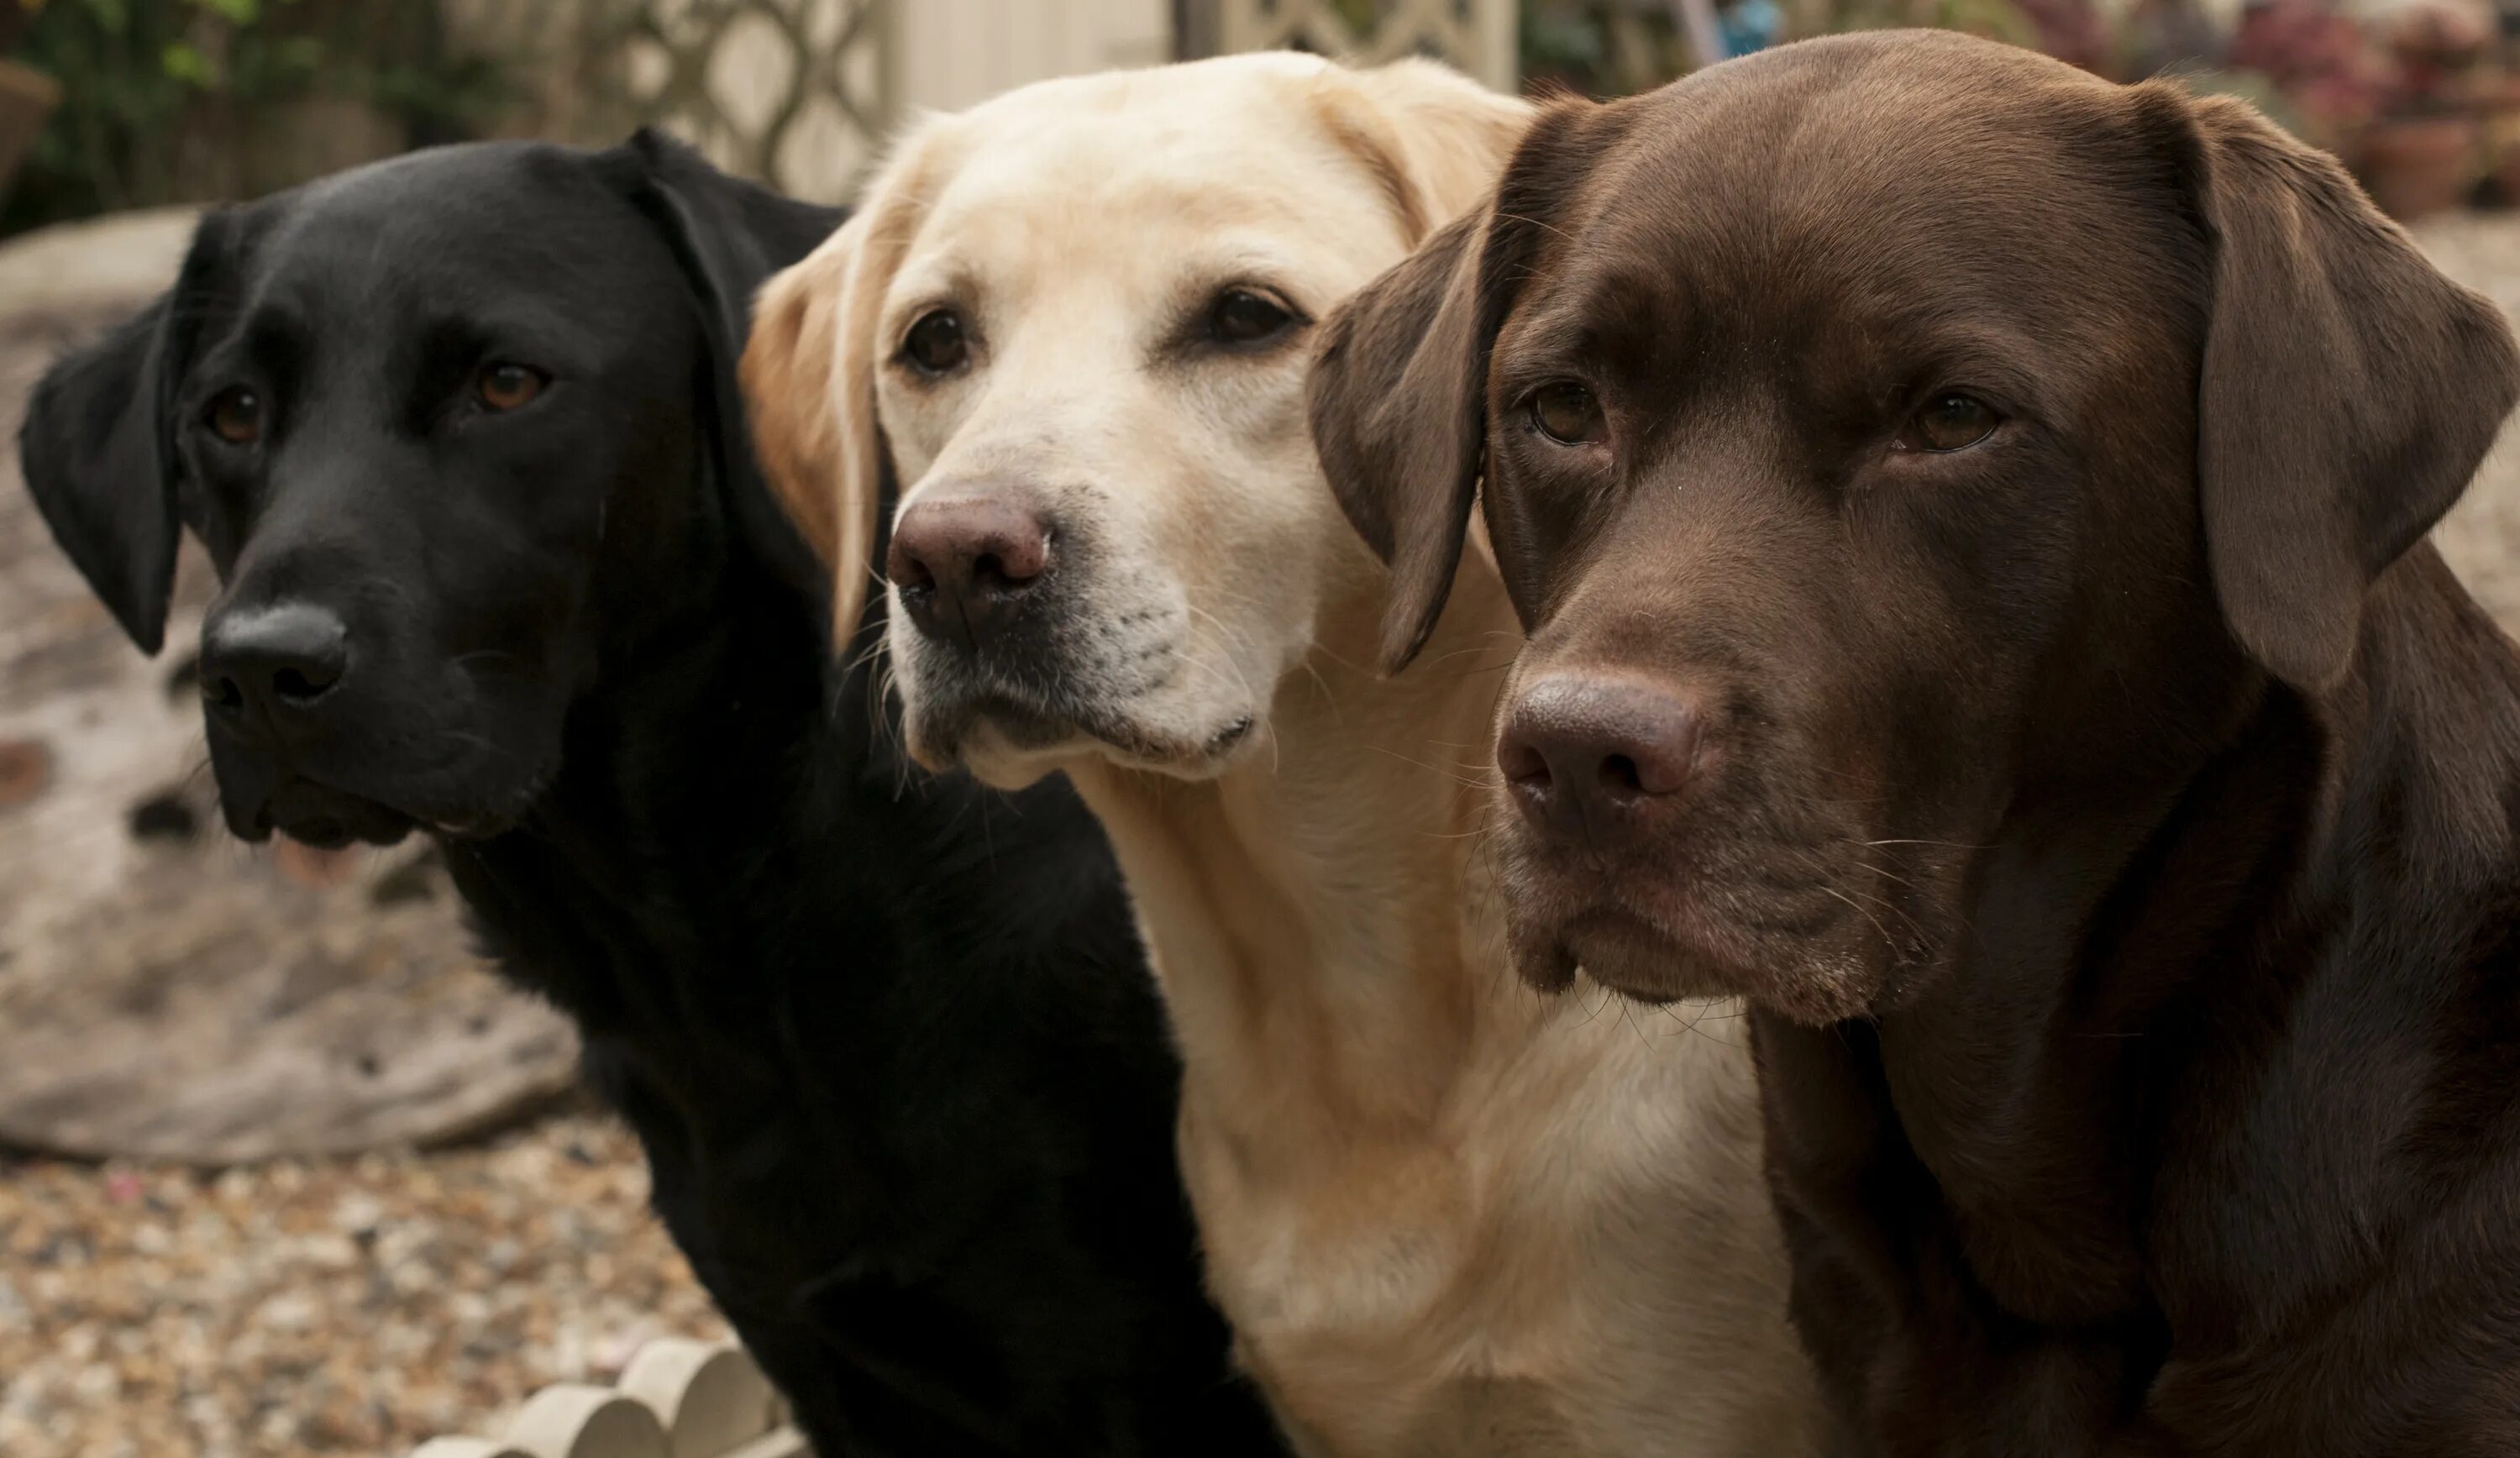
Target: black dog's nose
x=1596 y=759
x=964 y=560
x=269 y=665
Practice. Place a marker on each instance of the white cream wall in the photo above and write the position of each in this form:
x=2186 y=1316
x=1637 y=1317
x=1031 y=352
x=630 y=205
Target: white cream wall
x=766 y=88
x=954 y=53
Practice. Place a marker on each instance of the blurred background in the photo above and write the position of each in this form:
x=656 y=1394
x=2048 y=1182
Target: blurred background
x=109 y=105
x=283 y=1170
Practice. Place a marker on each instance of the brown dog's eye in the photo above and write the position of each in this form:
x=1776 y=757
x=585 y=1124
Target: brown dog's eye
x=1950 y=421
x=504 y=387
x=935 y=345
x=1241 y=317
x=235 y=416
x=1567 y=412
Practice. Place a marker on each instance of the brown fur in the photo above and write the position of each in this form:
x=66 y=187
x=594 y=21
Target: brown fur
x=2114 y=817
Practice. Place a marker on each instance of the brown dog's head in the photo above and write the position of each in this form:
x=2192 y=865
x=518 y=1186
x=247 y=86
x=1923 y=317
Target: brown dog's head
x=1888 y=440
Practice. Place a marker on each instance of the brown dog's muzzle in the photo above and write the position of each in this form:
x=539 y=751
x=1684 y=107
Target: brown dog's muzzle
x=1683 y=824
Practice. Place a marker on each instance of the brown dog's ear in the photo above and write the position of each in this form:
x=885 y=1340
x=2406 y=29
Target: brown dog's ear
x=809 y=379
x=1400 y=419
x=1398 y=392
x=2348 y=391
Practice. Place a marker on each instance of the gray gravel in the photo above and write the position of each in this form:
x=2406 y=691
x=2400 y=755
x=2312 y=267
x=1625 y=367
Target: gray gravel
x=340 y=1306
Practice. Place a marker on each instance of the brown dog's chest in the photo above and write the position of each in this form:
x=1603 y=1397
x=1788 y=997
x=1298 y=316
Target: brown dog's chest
x=1949 y=1238
x=2028 y=1151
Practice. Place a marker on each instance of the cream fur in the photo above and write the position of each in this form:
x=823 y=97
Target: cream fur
x=1445 y=1215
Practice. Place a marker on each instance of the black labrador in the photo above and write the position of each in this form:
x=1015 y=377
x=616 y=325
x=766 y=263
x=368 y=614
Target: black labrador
x=461 y=433
x=1972 y=541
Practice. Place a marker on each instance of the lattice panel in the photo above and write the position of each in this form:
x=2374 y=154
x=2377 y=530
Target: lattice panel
x=793 y=92
x=1476 y=35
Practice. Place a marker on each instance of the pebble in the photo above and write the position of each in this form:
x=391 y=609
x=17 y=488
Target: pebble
x=309 y=1308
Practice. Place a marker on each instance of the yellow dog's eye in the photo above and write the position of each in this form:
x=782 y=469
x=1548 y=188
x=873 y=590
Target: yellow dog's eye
x=936 y=344
x=504 y=386
x=1242 y=317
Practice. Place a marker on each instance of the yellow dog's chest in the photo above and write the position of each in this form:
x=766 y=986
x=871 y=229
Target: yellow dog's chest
x=1394 y=1298
x=1365 y=1317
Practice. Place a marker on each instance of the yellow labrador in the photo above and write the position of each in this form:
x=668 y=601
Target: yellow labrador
x=1446 y=1215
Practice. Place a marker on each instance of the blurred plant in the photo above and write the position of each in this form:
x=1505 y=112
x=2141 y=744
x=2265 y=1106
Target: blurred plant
x=1997 y=20
x=1598 y=47
x=2322 y=63
x=190 y=100
x=1560 y=43
x=2157 y=37
x=2073 y=31
x=2437 y=49
x=1614 y=47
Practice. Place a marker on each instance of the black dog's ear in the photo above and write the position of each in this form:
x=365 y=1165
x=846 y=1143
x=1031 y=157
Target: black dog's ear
x=1399 y=390
x=98 y=451
x=730 y=236
x=2347 y=393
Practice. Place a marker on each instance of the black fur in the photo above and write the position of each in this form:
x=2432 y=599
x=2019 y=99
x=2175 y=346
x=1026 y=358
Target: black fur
x=888 y=1040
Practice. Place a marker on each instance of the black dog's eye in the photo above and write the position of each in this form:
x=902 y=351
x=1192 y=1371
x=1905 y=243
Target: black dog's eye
x=1567 y=412
x=1241 y=317
x=235 y=416
x=935 y=345
x=1950 y=421
x=504 y=386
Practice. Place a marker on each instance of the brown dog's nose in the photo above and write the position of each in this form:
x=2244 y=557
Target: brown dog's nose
x=964 y=561
x=1591 y=759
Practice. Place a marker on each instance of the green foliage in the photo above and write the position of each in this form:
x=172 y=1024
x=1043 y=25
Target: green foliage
x=169 y=100
x=1597 y=48
x=1610 y=47
x=1564 y=44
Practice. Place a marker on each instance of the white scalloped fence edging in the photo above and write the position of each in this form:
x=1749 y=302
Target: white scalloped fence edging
x=676 y=1399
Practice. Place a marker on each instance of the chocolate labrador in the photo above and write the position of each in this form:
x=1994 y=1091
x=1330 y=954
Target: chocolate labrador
x=1968 y=517
x=462 y=434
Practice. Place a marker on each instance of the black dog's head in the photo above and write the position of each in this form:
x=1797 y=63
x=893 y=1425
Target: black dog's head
x=453 y=427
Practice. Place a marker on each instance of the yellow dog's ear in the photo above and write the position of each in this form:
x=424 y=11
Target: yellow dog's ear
x=1407 y=476
x=1437 y=138
x=787 y=376
x=809 y=378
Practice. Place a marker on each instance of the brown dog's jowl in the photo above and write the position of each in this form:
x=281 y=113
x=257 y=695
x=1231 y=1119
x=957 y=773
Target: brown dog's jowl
x=1967 y=519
